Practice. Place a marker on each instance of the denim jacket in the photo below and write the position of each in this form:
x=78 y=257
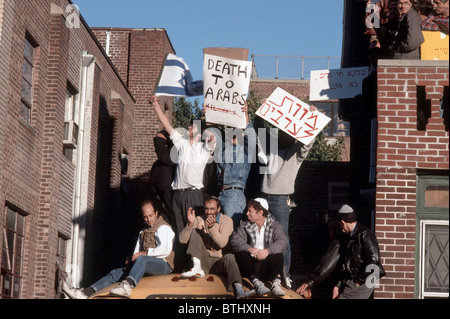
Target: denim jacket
x=237 y=159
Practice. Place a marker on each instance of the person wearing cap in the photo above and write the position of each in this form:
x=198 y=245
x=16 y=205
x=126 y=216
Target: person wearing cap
x=259 y=243
x=359 y=259
x=278 y=182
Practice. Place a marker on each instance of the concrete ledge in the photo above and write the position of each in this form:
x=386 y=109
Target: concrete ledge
x=412 y=63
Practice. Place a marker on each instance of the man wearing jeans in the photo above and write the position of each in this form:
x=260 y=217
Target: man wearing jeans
x=279 y=183
x=153 y=256
x=233 y=170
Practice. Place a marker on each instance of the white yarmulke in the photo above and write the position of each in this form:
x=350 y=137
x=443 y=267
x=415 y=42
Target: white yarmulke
x=345 y=209
x=263 y=203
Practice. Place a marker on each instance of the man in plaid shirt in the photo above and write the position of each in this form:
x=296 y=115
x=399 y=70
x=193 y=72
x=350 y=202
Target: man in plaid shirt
x=259 y=243
x=439 y=20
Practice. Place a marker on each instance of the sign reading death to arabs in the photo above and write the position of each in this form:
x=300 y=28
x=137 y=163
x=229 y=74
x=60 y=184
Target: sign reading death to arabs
x=337 y=84
x=225 y=87
x=293 y=116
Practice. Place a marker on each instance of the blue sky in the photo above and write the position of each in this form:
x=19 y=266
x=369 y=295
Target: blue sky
x=283 y=27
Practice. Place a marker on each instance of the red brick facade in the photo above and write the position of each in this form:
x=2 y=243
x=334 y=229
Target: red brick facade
x=298 y=88
x=403 y=153
x=138 y=55
x=36 y=179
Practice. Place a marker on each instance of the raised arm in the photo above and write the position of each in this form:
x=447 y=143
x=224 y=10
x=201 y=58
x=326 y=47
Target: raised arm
x=161 y=116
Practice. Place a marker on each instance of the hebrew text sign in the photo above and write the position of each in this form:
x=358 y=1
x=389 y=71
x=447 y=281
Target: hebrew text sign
x=293 y=116
x=337 y=84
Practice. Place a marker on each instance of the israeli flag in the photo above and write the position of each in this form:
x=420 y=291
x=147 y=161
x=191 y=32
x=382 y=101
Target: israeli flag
x=176 y=79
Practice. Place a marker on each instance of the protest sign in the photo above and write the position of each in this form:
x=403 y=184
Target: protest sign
x=337 y=84
x=293 y=116
x=229 y=53
x=226 y=83
x=435 y=46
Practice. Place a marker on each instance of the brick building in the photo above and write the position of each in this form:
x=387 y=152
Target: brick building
x=76 y=151
x=412 y=208
x=400 y=164
x=75 y=144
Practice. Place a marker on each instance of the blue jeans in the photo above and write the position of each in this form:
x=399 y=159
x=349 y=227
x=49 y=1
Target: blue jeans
x=233 y=203
x=278 y=206
x=144 y=265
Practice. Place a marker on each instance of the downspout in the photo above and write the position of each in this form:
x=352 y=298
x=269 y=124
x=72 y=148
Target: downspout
x=79 y=218
x=108 y=41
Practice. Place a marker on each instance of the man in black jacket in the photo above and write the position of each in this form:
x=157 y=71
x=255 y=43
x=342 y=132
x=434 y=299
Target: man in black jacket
x=359 y=266
x=163 y=171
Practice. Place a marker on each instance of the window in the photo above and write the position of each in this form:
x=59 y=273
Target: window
x=60 y=275
x=434 y=252
x=70 y=122
x=338 y=195
x=432 y=245
x=27 y=80
x=12 y=254
x=336 y=127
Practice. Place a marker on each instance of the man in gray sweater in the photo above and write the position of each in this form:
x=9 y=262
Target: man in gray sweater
x=278 y=184
x=258 y=244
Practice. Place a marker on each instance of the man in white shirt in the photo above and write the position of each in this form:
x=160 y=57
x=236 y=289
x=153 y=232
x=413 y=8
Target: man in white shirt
x=153 y=255
x=259 y=244
x=193 y=155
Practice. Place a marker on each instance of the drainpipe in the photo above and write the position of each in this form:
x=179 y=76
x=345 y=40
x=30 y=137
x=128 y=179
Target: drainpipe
x=79 y=217
x=108 y=41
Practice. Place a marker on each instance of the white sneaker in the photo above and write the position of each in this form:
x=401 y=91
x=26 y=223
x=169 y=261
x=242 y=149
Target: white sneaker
x=74 y=293
x=260 y=288
x=123 y=289
x=193 y=273
x=247 y=294
x=276 y=288
x=241 y=294
x=288 y=282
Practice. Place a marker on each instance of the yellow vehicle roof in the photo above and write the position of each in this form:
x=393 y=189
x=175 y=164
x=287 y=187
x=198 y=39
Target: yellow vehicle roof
x=173 y=287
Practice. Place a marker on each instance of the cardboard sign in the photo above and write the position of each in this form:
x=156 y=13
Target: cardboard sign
x=435 y=46
x=225 y=88
x=293 y=116
x=337 y=84
x=230 y=53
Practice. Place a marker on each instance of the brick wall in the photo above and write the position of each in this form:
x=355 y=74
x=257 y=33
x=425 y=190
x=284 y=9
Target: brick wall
x=138 y=55
x=402 y=151
x=35 y=177
x=298 y=88
x=308 y=229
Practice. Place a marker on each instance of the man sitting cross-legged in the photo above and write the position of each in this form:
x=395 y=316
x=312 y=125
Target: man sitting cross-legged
x=206 y=238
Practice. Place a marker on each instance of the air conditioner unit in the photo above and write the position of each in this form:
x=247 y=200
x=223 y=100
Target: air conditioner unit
x=70 y=134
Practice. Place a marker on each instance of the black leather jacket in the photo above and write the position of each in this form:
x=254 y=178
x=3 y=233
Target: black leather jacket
x=356 y=253
x=326 y=265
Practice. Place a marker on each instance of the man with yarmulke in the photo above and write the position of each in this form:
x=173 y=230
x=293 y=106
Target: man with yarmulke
x=259 y=243
x=359 y=268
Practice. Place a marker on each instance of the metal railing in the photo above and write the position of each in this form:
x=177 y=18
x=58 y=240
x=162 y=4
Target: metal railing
x=290 y=66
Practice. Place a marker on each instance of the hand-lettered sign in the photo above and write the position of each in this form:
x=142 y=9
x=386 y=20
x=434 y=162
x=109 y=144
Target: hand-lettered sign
x=337 y=84
x=293 y=116
x=435 y=46
x=225 y=88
